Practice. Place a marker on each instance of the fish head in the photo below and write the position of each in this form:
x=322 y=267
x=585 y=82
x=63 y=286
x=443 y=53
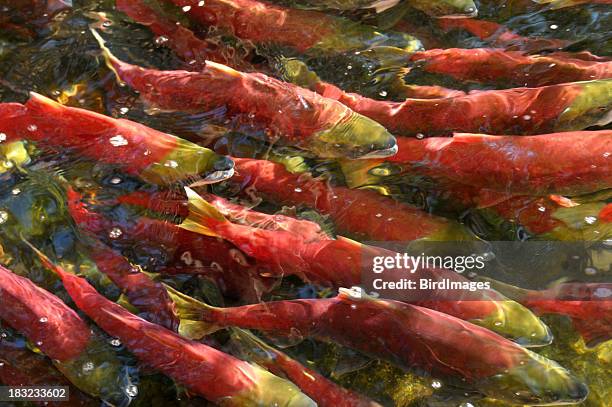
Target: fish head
x=271 y=390
x=189 y=161
x=447 y=8
x=591 y=107
x=354 y=137
x=535 y=380
x=517 y=323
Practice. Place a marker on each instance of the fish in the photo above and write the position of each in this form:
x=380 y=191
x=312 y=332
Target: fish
x=507 y=164
x=356 y=213
x=456 y=9
x=308 y=31
x=20 y=367
x=86 y=360
x=156 y=157
x=236 y=274
x=306 y=120
x=558 y=218
x=203 y=370
x=378 y=5
x=588 y=305
x=147 y=295
x=500 y=37
x=338 y=262
x=414 y=338
x=322 y=390
x=555 y=108
x=193 y=50
x=497 y=66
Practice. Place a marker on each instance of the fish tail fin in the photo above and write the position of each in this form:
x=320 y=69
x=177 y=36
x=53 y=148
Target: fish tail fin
x=192 y=314
x=112 y=62
x=203 y=217
x=46 y=261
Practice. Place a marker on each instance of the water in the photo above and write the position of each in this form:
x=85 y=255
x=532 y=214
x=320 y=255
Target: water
x=56 y=55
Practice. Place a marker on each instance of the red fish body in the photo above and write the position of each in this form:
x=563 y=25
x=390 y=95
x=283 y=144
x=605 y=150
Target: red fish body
x=42 y=317
x=155 y=156
x=191 y=49
x=323 y=391
x=293 y=114
x=415 y=337
x=492 y=65
x=304 y=30
x=499 y=36
x=356 y=213
x=21 y=367
x=517 y=165
x=149 y=296
x=511 y=111
x=62 y=335
x=203 y=370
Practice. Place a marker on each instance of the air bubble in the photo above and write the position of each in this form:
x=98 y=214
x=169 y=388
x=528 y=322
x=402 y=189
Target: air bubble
x=590 y=271
x=186 y=8
x=436 y=384
x=171 y=164
x=115 y=233
x=590 y=219
x=43 y=320
x=420 y=136
x=3 y=217
x=298 y=189
x=131 y=390
x=383 y=93
x=32 y=127
x=115 y=342
x=88 y=367
x=118 y=141
x=162 y=39
x=16 y=191
x=2 y=137
x=124 y=110
x=116 y=180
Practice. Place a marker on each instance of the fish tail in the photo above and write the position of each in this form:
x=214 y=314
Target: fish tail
x=203 y=217
x=193 y=315
x=46 y=261
x=112 y=62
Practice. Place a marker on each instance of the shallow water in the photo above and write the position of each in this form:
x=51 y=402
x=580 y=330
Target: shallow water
x=58 y=57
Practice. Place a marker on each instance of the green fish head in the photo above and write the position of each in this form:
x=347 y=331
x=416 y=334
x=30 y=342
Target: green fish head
x=188 y=161
x=517 y=323
x=535 y=380
x=446 y=8
x=355 y=137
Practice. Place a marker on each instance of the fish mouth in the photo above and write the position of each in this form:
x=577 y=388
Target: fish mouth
x=387 y=152
x=223 y=169
x=538 y=342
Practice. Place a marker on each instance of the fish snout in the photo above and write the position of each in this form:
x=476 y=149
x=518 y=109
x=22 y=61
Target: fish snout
x=536 y=381
x=222 y=168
